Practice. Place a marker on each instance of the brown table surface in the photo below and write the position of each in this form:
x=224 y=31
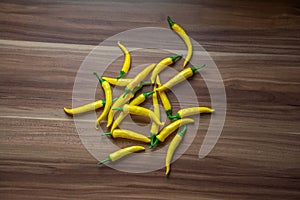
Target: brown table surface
x=256 y=45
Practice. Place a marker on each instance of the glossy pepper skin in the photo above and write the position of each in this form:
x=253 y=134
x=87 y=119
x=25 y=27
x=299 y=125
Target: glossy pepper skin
x=138 y=79
x=162 y=65
x=181 y=76
x=168 y=130
x=140 y=111
x=173 y=146
x=127 y=61
x=85 y=108
x=191 y=111
x=179 y=30
x=135 y=102
x=120 y=102
x=164 y=99
x=127 y=134
x=118 y=82
x=155 y=127
x=121 y=153
x=108 y=99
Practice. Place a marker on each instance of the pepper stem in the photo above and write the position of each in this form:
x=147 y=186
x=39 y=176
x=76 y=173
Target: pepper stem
x=122 y=73
x=146 y=83
x=177 y=116
x=173 y=58
x=169 y=113
x=99 y=77
x=147 y=94
x=154 y=143
x=114 y=99
x=171 y=23
x=136 y=89
x=196 y=68
x=126 y=92
x=152 y=138
x=120 y=109
x=183 y=131
x=104 y=161
x=106 y=134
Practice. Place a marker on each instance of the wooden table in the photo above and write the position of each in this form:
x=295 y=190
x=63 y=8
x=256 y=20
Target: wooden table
x=256 y=45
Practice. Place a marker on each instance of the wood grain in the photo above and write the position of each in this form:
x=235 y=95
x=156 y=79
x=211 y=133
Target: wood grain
x=256 y=46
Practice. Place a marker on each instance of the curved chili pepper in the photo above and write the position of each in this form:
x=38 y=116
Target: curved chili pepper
x=166 y=131
x=85 y=108
x=175 y=27
x=154 y=127
x=162 y=65
x=121 y=153
x=181 y=76
x=140 y=111
x=127 y=61
x=118 y=82
x=120 y=102
x=191 y=111
x=108 y=98
x=173 y=146
x=138 y=79
x=127 y=134
x=164 y=99
x=136 y=101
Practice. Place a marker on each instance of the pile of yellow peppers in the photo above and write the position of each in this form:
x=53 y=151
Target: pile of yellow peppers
x=127 y=103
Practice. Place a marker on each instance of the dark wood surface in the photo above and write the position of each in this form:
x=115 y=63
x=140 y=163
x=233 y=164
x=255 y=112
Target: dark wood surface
x=256 y=45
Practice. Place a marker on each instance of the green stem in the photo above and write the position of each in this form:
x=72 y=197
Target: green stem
x=122 y=73
x=169 y=113
x=154 y=143
x=196 y=68
x=104 y=161
x=177 y=116
x=120 y=109
x=152 y=138
x=147 y=94
x=171 y=23
x=106 y=134
x=99 y=77
x=115 y=99
x=126 y=92
x=183 y=131
x=146 y=83
x=173 y=58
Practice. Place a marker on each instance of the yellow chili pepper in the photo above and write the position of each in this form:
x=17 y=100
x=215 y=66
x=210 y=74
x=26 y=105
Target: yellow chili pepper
x=136 y=101
x=173 y=146
x=140 y=111
x=155 y=127
x=120 y=102
x=121 y=153
x=166 y=131
x=85 y=108
x=179 y=30
x=127 y=60
x=162 y=65
x=164 y=99
x=181 y=76
x=191 y=111
x=108 y=98
x=138 y=79
x=127 y=134
x=118 y=82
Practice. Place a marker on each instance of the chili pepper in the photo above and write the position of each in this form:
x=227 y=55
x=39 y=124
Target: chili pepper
x=136 y=101
x=181 y=76
x=164 y=99
x=127 y=134
x=108 y=98
x=173 y=146
x=85 y=108
x=154 y=127
x=137 y=110
x=162 y=65
x=138 y=78
x=179 y=30
x=121 y=153
x=120 y=102
x=127 y=60
x=118 y=82
x=191 y=111
x=123 y=81
x=166 y=131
